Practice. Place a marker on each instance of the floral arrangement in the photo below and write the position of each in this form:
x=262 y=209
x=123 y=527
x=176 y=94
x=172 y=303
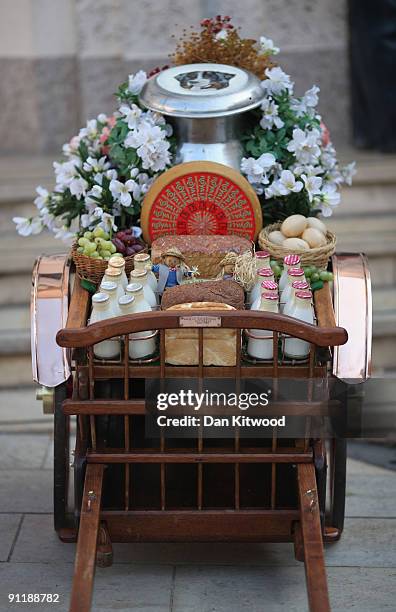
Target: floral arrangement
x=112 y=162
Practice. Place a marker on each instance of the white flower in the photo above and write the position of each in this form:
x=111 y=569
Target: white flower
x=65 y=173
x=102 y=118
x=96 y=165
x=270 y=116
x=136 y=82
x=308 y=170
x=26 y=227
x=90 y=131
x=64 y=234
x=121 y=191
x=156 y=157
x=305 y=146
x=329 y=199
x=348 y=172
x=70 y=149
x=107 y=222
x=267 y=46
x=286 y=184
x=312 y=185
x=111 y=174
x=131 y=115
x=255 y=169
x=146 y=135
x=43 y=197
x=311 y=97
x=276 y=81
x=78 y=187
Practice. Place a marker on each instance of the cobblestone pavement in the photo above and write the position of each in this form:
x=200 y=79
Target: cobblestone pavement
x=361 y=568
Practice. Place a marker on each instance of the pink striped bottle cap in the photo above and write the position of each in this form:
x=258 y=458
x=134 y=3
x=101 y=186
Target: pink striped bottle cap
x=304 y=295
x=261 y=254
x=295 y=272
x=291 y=260
x=271 y=285
x=266 y=272
x=269 y=296
x=300 y=285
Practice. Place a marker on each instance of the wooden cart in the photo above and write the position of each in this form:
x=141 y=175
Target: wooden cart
x=128 y=488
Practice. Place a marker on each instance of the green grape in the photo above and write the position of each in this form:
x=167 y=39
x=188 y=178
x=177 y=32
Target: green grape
x=82 y=242
x=99 y=232
x=326 y=276
x=113 y=248
x=315 y=277
x=95 y=255
x=273 y=263
x=88 y=235
x=118 y=255
x=105 y=254
x=307 y=271
x=277 y=270
x=107 y=244
x=105 y=235
x=317 y=285
x=99 y=240
x=80 y=249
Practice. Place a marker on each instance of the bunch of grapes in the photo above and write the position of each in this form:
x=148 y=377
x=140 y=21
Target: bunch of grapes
x=315 y=276
x=96 y=244
x=126 y=243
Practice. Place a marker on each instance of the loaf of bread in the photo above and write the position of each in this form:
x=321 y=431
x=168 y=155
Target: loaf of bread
x=219 y=345
x=205 y=252
x=223 y=291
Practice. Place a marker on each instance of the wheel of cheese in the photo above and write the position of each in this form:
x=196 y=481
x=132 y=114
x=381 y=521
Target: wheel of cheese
x=201 y=198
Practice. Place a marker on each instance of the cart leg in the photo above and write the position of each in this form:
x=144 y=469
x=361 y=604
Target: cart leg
x=318 y=596
x=84 y=567
x=104 y=555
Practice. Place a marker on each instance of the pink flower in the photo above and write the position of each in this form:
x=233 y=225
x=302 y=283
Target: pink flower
x=325 y=134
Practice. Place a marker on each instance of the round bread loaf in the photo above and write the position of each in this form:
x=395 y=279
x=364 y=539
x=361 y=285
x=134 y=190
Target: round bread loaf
x=223 y=291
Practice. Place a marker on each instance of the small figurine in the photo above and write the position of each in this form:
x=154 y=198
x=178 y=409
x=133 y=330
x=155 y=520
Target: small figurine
x=227 y=266
x=172 y=269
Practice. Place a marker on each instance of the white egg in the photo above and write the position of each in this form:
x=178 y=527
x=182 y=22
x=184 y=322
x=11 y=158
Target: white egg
x=314 y=237
x=294 y=226
x=295 y=244
x=317 y=224
x=276 y=237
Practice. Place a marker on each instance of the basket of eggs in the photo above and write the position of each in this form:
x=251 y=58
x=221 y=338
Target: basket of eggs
x=308 y=237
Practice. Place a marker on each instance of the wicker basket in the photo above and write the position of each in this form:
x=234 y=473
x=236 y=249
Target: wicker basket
x=318 y=256
x=94 y=269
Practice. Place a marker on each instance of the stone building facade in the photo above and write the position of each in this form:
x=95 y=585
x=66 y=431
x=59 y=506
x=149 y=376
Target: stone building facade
x=61 y=60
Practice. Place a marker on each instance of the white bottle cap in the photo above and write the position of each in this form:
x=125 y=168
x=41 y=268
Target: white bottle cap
x=269 y=296
x=100 y=298
x=134 y=288
x=261 y=254
x=117 y=262
x=108 y=286
x=304 y=295
x=291 y=260
x=126 y=300
x=295 y=272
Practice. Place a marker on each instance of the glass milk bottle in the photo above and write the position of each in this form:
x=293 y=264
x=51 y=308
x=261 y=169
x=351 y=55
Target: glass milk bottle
x=141 y=276
x=260 y=345
x=118 y=263
x=143 y=346
x=126 y=304
x=293 y=274
x=294 y=347
x=142 y=261
x=107 y=349
x=110 y=289
x=290 y=261
x=115 y=276
x=296 y=286
x=262 y=259
x=267 y=286
x=262 y=274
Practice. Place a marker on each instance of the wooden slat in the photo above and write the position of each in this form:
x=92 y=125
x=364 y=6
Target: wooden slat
x=78 y=307
x=114 y=456
x=138 y=406
x=84 y=568
x=102 y=330
x=315 y=572
x=201 y=525
x=324 y=307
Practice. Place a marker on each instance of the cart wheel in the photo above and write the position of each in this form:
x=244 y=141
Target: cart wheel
x=336 y=511
x=61 y=462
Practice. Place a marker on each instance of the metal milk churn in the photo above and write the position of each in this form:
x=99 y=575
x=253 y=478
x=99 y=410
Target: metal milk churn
x=207 y=106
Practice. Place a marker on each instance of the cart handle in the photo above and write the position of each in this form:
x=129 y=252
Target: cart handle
x=119 y=326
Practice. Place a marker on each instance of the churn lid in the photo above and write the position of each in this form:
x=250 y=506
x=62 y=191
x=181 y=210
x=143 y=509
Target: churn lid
x=202 y=91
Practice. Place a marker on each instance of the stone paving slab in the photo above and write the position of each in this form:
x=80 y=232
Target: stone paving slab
x=9 y=524
x=121 y=588
x=235 y=589
x=364 y=543
x=23 y=451
x=25 y=491
x=371 y=495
